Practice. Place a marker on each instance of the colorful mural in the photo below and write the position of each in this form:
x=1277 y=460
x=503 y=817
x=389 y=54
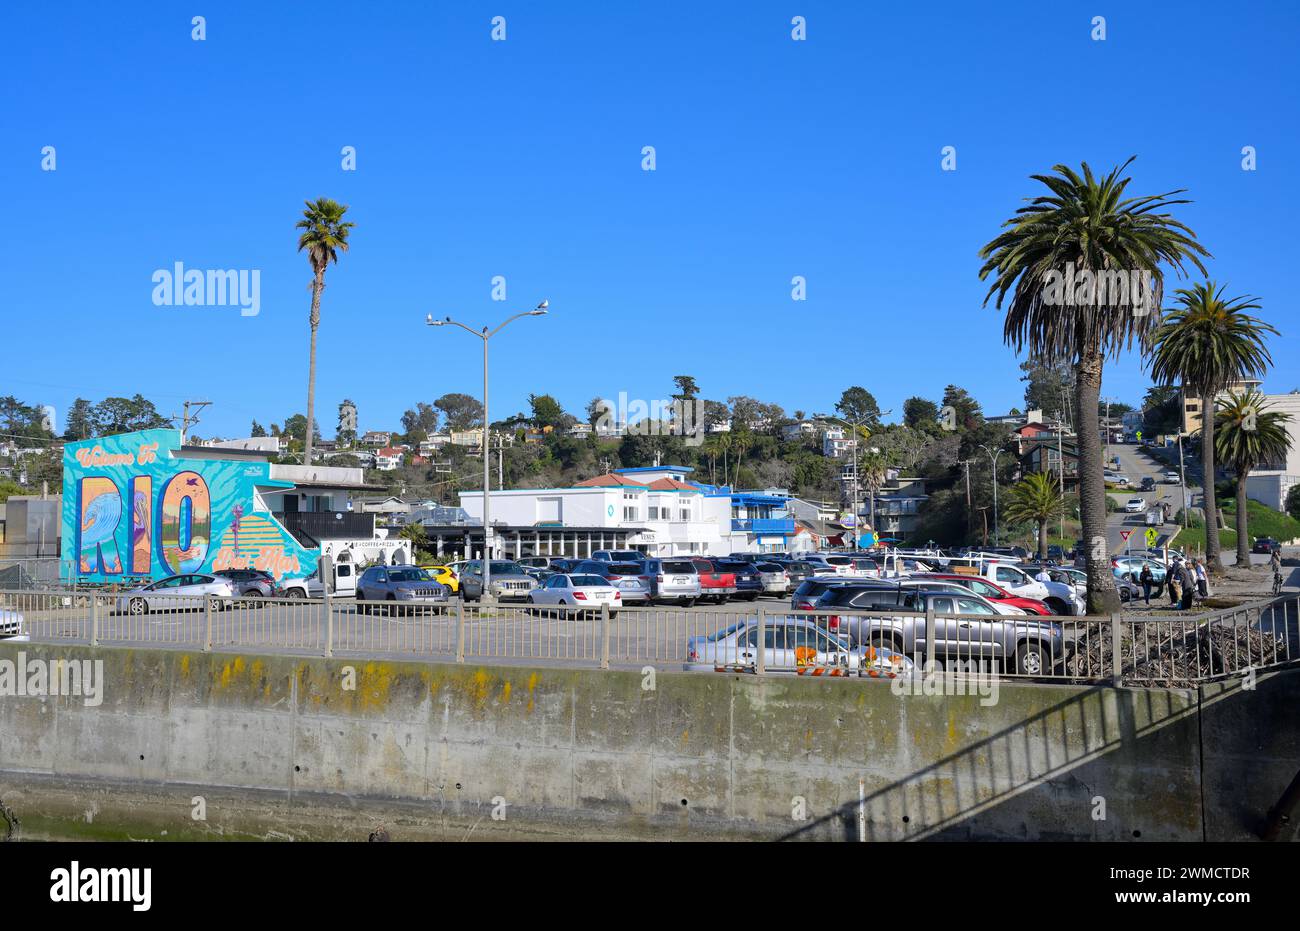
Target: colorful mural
x=177 y=509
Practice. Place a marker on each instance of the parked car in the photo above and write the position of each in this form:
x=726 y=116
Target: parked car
x=1266 y=545
x=177 y=593
x=790 y=644
x=444 y=576
x=829 y=564
x=553 y=563
x=716 y=584
x=1131 y=567
x=1128 y=589
x=1056 y=553
x=1148 y=483
x=974 y=631
x=812 y=588
x=509 y=580
x=11 y=625
x=796 y=570
x=673 y=580
x=775 y=578
x=618 y=555
x=748 y=581
x=1170 y=477
x=251 y=583
x=630 y=578
x=399 y=589
x=589 y=592
x=993 y=593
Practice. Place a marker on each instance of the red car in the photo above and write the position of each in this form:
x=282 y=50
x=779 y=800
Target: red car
x=986 y=589
x=714 y=583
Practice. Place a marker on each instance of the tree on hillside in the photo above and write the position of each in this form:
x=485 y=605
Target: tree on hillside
x=920 y=414
x=967 y=413
x=857 y=405
x=125 y=415
x=422 y=419
x=461 y=411
x=1085 y=226
x=80 y=422
x=1047 y=385
x=547 y=411
x=687 y=389
x=257 y=429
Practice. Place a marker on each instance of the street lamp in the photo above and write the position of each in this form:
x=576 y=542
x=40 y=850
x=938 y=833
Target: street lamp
x=993 y=459
x=856 y=426
x=485 y=334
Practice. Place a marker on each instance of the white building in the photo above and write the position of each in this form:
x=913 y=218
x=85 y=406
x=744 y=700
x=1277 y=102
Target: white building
x=1270 y=483
x=388 y=458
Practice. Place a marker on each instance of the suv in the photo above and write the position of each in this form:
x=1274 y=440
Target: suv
x=715 y=582
x=251 y=583
x=748 y=580
x=509 y=580
x=631 y=579
x=673 y=580
x=400 y=588
x=618 y=555
x=1021 y=643
x=805 y=597
x=1148 y=483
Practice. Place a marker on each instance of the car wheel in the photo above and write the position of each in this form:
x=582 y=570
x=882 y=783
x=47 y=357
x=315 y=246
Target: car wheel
x=296 y=593
x=1031 y=659
x=138 y=606
x=689 y=602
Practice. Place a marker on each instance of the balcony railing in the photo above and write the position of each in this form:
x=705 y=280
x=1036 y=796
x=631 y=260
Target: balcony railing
x=763 y=524
x=310 y=527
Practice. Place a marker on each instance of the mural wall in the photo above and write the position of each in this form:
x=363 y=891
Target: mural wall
x=131 y=510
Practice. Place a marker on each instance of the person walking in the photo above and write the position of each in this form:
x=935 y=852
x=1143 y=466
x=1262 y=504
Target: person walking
x=1202 y=579
x=1187 y=579
x=1275 y=563
x=1173 y=584
x=1146 y=578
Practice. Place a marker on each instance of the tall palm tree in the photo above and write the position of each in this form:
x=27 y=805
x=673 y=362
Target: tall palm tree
x=1246 y=435
x=1037 y=499
x=741 y=442
x=872 y=469
x=324 y=236
x=724 y=446
x=1208 y=342
x=1085 y=225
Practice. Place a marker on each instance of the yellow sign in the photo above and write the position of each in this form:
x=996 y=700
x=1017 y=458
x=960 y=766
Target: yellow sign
x=1152 y=536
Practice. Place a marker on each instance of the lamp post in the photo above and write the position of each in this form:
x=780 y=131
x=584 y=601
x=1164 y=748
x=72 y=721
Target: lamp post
x=486 y=334
x=856 y=426
x=993 y=460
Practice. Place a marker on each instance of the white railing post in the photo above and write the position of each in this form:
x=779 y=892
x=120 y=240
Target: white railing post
x=460 y=628
x=94 y=619
x=931 y=631
x=329 y=623
x=207 y=625
x=760 y=658
x=604 y=636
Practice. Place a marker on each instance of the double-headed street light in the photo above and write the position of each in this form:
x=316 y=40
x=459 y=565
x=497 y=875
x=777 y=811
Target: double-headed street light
x=486 y=334
x=993 y=460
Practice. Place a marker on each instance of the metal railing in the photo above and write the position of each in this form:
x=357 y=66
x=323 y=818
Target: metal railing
x=1173 y=652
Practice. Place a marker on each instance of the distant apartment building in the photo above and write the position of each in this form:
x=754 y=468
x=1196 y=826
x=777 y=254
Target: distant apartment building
x=388 y=458
x=376 y=438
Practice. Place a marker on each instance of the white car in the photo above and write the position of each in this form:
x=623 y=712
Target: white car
x=1135 y=506
x=11 y=626
x=585 y=592
x=792 y=646
x=1169 y=477
x=1061 y=598
x=177 y=593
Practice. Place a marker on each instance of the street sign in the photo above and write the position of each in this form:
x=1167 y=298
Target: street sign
x=1138 y=434
x=1152 y=536
x=1125 y=534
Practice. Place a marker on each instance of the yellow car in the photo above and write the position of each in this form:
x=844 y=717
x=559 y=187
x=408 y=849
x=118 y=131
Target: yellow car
x=445 y=576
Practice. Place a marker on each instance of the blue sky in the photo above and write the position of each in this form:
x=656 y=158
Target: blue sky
x=522 y=158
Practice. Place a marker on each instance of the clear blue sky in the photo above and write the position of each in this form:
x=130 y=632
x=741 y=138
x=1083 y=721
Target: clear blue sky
x=523 y=159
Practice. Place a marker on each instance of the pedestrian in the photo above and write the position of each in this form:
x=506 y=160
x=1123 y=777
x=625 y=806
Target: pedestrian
x=1187 y=578
x=1275 y=562
x=1043 y=575
x=1146 y=578
x=1202 y=579
x=1171 y=580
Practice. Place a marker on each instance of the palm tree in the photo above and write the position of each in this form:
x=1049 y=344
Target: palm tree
x=872 y=470
x=1246 y=435
x=325 y=235
x=1085 y=226
x=724 y=445
x=1208 y=343
x=741 y=442
x=1037 y=499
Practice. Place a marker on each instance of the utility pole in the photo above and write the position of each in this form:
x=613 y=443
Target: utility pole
x=969 y=522
x=187 y=420
x=1060 y=455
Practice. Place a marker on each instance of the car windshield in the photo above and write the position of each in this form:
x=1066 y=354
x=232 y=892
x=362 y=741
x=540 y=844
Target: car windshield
x=507 y=568
x=724 y=633
x=407 y=575
x=624 y=568
x=685 y=567
x=588 y=581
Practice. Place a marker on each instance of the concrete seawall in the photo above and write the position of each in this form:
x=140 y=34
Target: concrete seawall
x=274 y=746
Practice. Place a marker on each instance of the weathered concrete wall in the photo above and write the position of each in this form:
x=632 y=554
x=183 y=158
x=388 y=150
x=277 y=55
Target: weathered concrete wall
x=277 y=746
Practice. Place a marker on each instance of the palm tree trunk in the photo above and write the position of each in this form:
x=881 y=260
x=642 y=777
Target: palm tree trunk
x=317 y=285
x=1213 y=561
x=1042 y=540
x=1243 y=541
x=1102 y=596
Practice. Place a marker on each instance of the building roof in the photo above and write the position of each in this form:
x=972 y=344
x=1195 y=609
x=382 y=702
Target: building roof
x=609 y=480
x=662 y=468
x=389 y=451
x=670 y=484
